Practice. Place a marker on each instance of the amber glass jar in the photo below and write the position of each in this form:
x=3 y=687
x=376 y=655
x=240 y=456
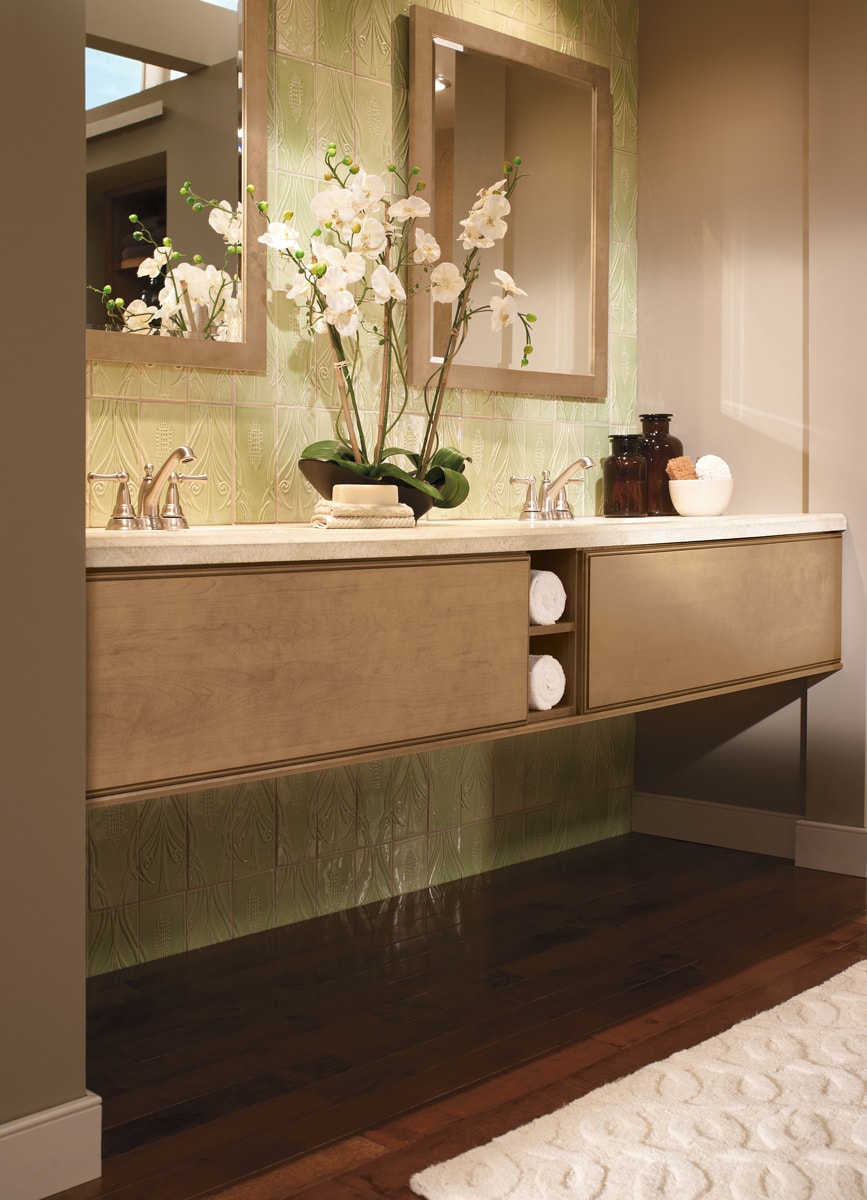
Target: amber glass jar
x=624 y=478
x=658 y=446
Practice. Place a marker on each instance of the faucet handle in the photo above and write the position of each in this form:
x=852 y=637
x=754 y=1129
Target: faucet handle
x=531 y=508
x=123 y=513
x=563 y=509
x=172 y=515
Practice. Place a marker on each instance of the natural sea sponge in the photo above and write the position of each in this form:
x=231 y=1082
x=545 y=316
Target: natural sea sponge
x=680 y=468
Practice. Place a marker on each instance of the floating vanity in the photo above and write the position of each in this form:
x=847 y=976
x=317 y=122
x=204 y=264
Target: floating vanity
x=229 y=653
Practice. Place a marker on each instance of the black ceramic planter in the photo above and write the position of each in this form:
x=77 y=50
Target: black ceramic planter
x=324 y=475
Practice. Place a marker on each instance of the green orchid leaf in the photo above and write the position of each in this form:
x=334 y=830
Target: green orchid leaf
x=447 y=456
x=454 y=489
x=390 y=471
x=330 y=450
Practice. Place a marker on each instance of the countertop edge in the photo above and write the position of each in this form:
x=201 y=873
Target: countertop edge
x=274 y=543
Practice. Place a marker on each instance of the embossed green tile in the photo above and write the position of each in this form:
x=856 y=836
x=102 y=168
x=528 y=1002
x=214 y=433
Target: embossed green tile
x=209 y=916
x=566 y=744
x=372 y=39
x=295 y=131
x=538 y=833
x=336 y=811
x=624 y=197
x=254 y=387
x=334 y=23
x=541 y=16
x=443 y=856
x=335 y=883
x=594 y=756
x=164 y=382
x=623 y=288
x=476 y=781
x=112 y=939
x=163 y=927
x=254 y=828
x=211 y=387
x=255 y=465
x=477 y=848
x=296 y=818
x=209 y=817
x=253 y=906
x=624 y=104
x=335 y=106
x=624 y=28
x=162 y=854
x=375 y=812
x=373 y=874
x=296 y=893
x=163 y=426
x=410 y=865
x=295 y=22
x=445 y=788
x=373 y=126
x=210 y=436
x=570 y=22
x=121 y=380
x=408 y=794
x=597 y=24
x=539 y=446
x=620 y=763
x=113 y=445
x=623 y=379
x=296 y=428
x=510 y=773
x=112 y=846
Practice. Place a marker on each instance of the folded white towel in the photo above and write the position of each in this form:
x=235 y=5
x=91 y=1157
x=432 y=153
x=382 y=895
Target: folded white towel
x=547 y=681
x=547 y=598
x=328 y=514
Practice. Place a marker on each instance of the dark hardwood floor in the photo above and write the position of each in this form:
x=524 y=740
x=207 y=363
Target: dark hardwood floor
x=332 y=1059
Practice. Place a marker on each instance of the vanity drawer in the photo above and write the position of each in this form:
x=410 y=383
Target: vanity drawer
x=198 y=674
x=665 y=623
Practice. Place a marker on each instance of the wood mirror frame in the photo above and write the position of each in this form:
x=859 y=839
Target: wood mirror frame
x=428 y=29
x=250 y=353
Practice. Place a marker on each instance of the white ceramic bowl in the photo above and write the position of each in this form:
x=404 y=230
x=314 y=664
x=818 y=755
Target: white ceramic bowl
x=700 y=497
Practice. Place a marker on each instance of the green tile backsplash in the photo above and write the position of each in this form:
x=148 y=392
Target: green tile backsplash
x=186 y=871
x=190 y=870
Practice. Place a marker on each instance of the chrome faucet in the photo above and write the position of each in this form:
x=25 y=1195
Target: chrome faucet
x=152 y=485
x=551 y=503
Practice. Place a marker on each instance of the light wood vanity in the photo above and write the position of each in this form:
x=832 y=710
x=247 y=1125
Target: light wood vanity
x=227 y=654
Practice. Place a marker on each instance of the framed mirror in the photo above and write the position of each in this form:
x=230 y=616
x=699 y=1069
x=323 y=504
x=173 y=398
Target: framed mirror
x=200 y=116
x=477 y=99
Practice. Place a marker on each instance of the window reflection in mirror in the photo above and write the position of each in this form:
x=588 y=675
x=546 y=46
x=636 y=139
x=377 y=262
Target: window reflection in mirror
x=479 y=98
x=188 y=118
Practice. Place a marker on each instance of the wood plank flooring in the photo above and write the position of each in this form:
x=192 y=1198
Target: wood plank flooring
x=332 y=1059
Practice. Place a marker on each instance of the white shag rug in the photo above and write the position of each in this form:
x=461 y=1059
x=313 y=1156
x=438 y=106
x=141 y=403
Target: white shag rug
x=773 y=1109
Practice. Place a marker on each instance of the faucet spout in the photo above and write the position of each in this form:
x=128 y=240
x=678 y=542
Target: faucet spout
x=152 y=486
x=549 y=493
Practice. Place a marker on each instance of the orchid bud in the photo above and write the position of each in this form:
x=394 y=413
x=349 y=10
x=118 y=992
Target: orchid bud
x=346 y=160
x=198 y=206
x=262 y=206
x=106 y=291
x=167 y=241
x=319 y=269
x=288 y=214
x=137 y=236
x=354 y=169
x=299 y=254
x=133 y=218
x=518 y=160
x=328 y=176
x=197 y=258
x=531 y=317
x=250 y=189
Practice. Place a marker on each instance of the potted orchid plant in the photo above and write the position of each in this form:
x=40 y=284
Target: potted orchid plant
x=187 y=296
x=352 y=274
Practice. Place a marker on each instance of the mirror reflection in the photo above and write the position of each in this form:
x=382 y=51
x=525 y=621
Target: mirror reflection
x=477 y=99
x=166 y=105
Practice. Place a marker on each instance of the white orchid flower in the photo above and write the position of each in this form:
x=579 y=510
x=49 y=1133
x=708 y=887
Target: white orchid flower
x=426 y=247
x=351 y=264
x=371 y=239
x=507 y=283
x=228 y=222
x=503 y=312
x=447 y=283
x=281 y=237
x=411 y=208
x=301 y=291
x=154 y=265
x=335 y=207
x=345 y=320
x=475 y=236
x=368 y=190
x=485 y=224
x=484 y=193
x=386 y=285
x=137 y=317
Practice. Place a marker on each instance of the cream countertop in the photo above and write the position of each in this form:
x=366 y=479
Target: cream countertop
x=207 y=545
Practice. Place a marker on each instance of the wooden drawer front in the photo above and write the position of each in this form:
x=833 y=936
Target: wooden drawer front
x=674 y=620
x=198 y=673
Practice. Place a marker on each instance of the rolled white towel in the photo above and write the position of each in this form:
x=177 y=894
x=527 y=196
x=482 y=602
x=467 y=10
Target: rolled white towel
x=547 y=598
x=547 y=681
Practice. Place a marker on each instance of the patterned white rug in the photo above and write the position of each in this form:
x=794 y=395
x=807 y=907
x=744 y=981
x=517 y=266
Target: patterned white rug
x=773 y=1109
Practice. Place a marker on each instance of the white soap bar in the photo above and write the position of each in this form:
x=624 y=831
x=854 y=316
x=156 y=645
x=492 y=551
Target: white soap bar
x=364 y=493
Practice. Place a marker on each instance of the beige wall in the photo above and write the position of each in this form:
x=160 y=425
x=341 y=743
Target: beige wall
x=749 y=312
x=42 y=996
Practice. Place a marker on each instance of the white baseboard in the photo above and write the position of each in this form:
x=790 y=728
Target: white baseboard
x=838 y=848
x=51 y=1150
x=757 y=830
